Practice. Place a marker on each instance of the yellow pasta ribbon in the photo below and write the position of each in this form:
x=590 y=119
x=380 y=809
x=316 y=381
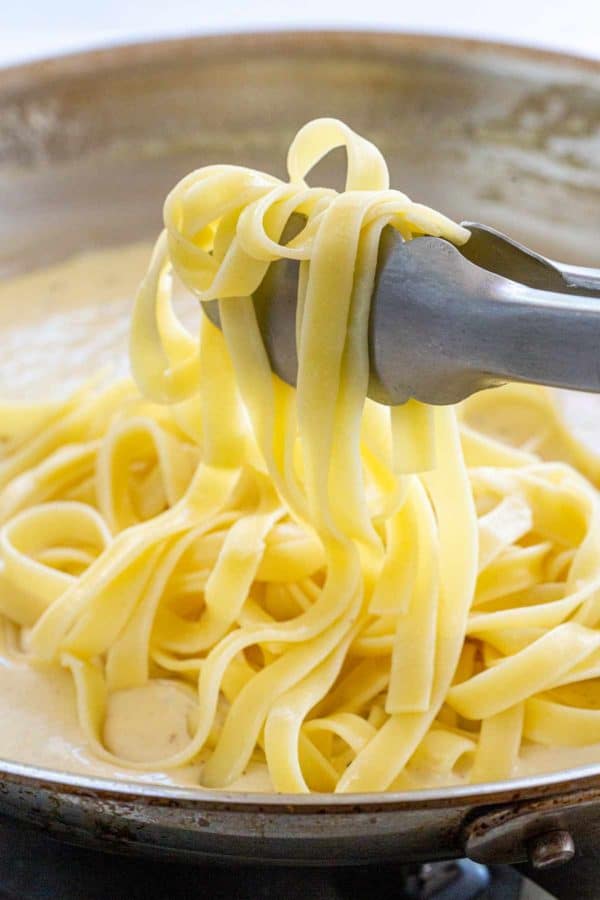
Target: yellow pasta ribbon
x=356 y=598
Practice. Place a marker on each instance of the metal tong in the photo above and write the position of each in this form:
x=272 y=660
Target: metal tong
x=447 y=321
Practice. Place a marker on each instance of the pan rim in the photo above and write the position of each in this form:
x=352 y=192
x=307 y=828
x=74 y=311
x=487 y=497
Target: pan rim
x=28 y=777
x=131 y=53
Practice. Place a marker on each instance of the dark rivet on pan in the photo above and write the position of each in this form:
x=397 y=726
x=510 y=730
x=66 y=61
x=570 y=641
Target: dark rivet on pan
x=551 y=849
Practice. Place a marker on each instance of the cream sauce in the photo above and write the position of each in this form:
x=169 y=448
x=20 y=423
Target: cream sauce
x=59 y=326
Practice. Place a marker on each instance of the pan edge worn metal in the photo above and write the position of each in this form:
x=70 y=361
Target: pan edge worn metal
x=316 y=829
x=91 y=142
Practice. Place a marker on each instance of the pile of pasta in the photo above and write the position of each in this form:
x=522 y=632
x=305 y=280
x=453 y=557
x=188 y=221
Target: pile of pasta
x=362 y=598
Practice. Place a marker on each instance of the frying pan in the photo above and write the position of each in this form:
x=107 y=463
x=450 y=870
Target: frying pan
x=89 y=145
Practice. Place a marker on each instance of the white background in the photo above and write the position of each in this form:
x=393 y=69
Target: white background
x=34 y=28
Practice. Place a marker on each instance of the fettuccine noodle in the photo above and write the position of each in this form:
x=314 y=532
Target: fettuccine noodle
x=359 y=598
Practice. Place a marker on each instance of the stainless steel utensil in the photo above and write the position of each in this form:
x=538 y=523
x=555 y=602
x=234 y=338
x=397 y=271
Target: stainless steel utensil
x=447 y=321
x=89 y=146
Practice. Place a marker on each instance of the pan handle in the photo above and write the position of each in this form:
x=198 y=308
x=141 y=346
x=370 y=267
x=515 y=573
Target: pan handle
x=555 y=841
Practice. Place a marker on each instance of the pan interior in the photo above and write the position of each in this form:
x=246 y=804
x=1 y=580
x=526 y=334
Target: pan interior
x=90 y=145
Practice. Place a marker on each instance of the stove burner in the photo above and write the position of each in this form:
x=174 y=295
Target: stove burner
x=34 y=866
